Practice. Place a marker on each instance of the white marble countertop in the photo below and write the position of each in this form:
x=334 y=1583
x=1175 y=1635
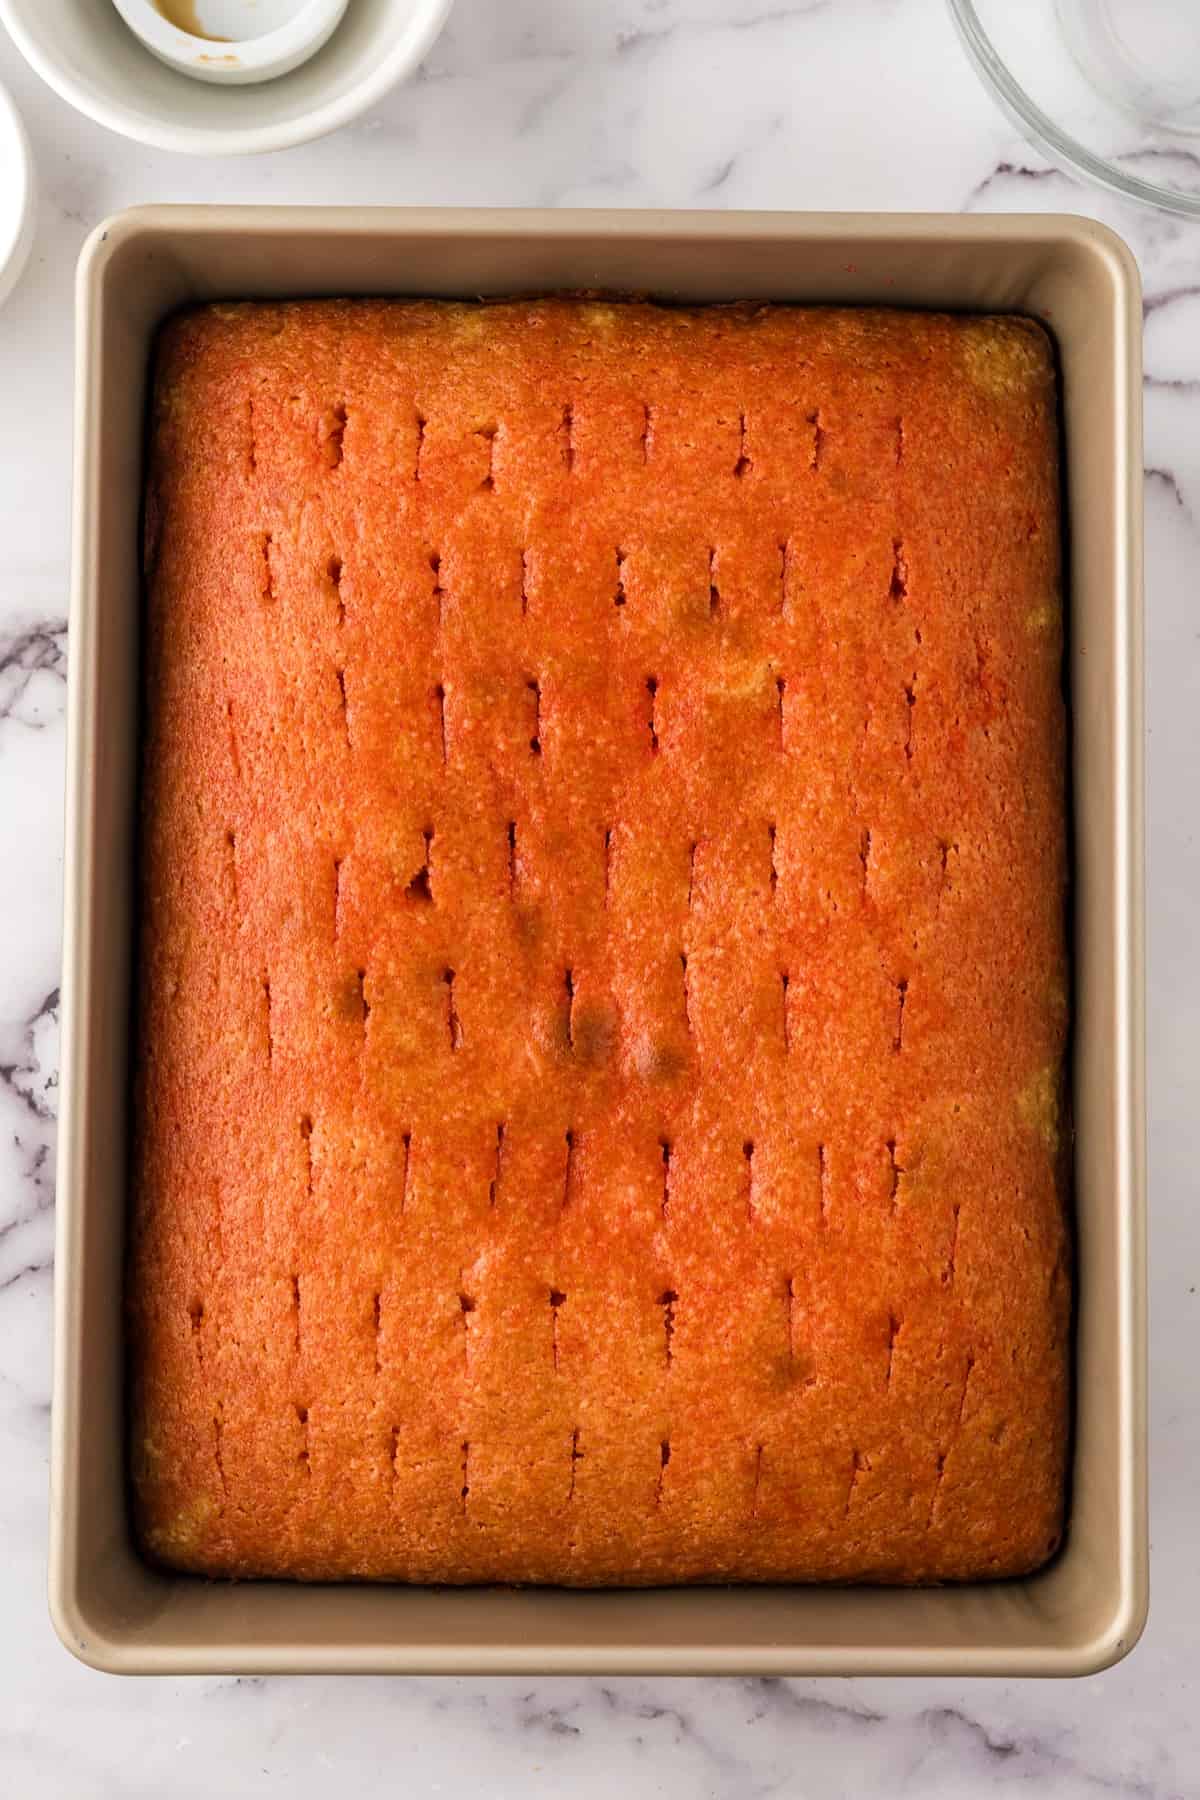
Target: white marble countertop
x=732 y=103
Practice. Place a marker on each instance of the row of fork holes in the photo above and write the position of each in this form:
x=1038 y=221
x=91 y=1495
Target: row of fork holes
x=454 y=1023
x=861 y=1464
x=334 y=569
x=442 y=694
x=419 y=890
x=332 y=436
x=792 y=1329
x=334 y=572
x=571 y=1145
x=534 y=689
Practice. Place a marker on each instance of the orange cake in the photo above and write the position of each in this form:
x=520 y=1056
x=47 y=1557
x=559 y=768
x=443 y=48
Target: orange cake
x=602 y=979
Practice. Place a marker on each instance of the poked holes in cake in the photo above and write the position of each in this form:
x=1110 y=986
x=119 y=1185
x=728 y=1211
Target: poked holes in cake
x=467 y=1305
x=333 y=433
x=901 y=1004
x=569 y=1008
x=306 y=1132
x=334 y=569
x=664 y=1458
x=566 y=437
x=488 y=434
x=898 y=589
x=951 y=1268
x=533 y=689
x=266 y=567
x=497 y=1167
x=946 y=848
x=438 y=589
x=453 y=1021
x=898 y=594
x=196 y=1325
x=304 y=1457
x=894 y=1327
x=419 y=891
x=745 y=462
x=817 y=453
x=910 y=701
x=860 y=1465
x=668 y=1300
x=895 y=1171
x=935 y=1496
x=439 y=700
x=652 y=710
x=759 y=1450
x=962 y=1403
x=231 y=870
x=800 y=1368
x=864 y=860
x=219 y=1447
x=557 y=1298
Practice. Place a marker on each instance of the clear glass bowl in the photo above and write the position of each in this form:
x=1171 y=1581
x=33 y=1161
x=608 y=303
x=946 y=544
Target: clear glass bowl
x=1106 y=89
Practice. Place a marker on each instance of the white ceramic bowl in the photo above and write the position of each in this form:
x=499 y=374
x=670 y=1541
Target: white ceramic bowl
x=16 y=196
x=87 y=53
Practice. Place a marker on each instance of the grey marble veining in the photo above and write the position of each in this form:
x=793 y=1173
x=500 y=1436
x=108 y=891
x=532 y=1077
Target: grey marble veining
x=823 y=103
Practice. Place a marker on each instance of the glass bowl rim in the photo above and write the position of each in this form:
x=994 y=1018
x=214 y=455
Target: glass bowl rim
x=1041 y=131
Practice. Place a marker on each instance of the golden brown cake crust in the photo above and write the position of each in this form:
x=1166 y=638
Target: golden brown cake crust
x=603 y=983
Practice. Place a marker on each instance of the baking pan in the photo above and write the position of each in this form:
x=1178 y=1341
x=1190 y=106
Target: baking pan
x=1087 y=1607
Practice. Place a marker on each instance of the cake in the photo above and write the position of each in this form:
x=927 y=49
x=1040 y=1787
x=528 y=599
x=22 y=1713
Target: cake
x=602 y=984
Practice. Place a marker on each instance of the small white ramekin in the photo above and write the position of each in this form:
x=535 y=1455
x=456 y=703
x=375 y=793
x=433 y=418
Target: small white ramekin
x=261 y=58
x=89 y=56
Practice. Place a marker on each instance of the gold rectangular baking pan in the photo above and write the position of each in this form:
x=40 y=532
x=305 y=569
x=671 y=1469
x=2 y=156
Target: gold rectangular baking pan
x=1087 y=1608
